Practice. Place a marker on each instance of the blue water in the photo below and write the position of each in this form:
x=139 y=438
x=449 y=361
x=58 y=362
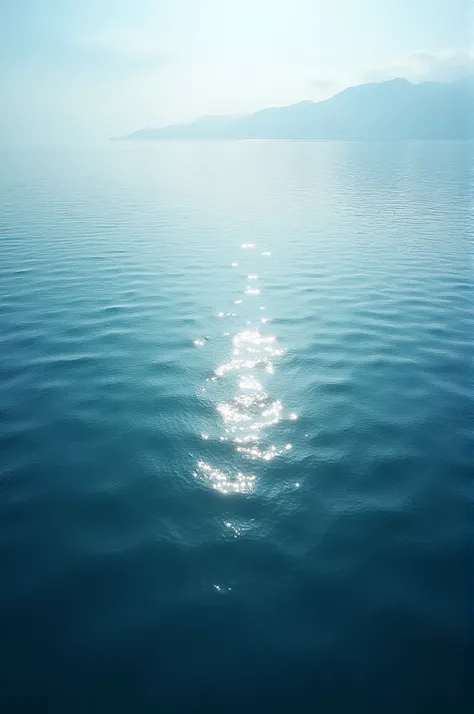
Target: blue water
x=234 y=423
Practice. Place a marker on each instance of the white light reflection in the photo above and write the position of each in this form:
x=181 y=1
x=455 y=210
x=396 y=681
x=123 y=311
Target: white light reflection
x=226 y=484
x=237 y=530
x=247 y=411
x=222 y=588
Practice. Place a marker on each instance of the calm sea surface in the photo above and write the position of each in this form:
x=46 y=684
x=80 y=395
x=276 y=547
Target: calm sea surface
x=235 y=413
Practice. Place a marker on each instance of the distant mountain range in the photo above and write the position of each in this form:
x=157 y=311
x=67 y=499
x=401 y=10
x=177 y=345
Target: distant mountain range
x=393 y=110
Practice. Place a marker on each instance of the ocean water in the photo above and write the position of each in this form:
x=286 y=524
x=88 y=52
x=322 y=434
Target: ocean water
x=235 y=416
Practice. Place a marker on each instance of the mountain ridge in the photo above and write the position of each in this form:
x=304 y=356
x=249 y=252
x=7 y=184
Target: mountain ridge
x=393 y=110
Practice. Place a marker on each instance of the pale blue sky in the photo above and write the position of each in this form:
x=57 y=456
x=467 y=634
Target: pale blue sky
x=91 y=69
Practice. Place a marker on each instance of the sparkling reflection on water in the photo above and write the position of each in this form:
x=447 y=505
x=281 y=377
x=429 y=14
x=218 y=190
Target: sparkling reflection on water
x=248 y=413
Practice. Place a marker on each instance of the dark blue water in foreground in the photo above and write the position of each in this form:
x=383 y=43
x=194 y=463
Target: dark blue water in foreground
x=234 y=428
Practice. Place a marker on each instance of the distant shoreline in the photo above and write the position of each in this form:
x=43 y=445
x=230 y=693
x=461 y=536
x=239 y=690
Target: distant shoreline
x=396 y=110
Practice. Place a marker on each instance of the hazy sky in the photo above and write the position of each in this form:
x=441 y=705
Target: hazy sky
x=91 y=69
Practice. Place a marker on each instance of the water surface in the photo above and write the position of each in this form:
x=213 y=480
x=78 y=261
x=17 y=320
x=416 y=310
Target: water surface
x=234 y=427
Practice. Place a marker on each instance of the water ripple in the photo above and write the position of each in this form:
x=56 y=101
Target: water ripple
x=296 y=331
